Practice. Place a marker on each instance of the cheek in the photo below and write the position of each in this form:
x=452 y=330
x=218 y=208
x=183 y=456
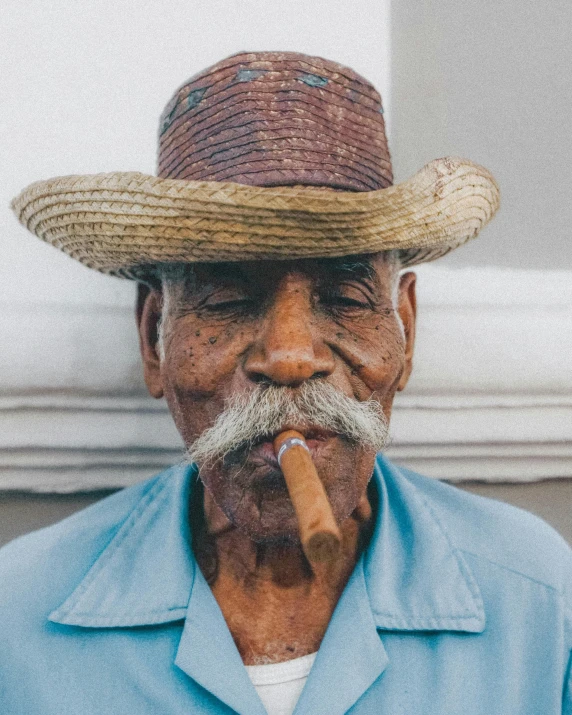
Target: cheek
x=199 y=359
x=346 y=477
x=375 y=354
x=199 y=365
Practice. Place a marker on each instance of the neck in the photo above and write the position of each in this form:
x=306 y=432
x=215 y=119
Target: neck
x=276 y=605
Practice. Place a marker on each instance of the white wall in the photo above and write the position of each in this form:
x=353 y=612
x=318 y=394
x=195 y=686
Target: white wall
x=83 y=85
x=490 y=398
x=491 y=80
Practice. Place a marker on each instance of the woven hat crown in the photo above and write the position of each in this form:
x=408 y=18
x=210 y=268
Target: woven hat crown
x=276 y=119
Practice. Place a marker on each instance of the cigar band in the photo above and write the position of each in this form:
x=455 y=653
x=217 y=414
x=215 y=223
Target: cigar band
x=291 y=442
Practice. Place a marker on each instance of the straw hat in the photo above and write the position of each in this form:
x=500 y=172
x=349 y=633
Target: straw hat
x=249 y=152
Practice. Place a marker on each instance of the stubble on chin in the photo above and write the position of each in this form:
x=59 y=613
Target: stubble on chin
x=255 y=499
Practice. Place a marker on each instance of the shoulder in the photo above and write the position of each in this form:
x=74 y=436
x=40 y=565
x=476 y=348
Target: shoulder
x=38 y=570
x=499 y=533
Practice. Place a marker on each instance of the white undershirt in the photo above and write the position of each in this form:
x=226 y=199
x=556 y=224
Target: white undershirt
x=279 y=685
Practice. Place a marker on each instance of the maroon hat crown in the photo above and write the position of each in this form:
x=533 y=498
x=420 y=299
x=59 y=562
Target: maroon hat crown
x=276 y=119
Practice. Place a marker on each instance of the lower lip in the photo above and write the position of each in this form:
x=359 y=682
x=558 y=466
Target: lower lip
x=265 y=450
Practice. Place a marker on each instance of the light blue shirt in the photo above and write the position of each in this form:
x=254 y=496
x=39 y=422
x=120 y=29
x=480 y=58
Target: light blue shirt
x=460 y=605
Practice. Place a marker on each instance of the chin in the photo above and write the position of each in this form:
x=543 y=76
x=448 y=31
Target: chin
x=253 y=495
x=266 y=515
x=265 y=512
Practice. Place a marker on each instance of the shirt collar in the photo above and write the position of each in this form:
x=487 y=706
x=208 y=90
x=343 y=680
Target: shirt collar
x=416 y=579
x=145 y=574
x=414 y=576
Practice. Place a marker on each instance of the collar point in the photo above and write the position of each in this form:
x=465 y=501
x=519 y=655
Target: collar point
x=94 y=620
x=472 y=623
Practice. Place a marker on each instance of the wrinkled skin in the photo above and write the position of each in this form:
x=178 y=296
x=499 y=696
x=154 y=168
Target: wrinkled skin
x=280 y=322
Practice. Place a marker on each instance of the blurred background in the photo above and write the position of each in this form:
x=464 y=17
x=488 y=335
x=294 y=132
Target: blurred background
x=490 y=403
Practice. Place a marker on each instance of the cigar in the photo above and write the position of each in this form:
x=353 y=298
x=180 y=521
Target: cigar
x=319 y=533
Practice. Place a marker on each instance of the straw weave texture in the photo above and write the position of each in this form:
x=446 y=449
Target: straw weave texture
x=118 y=222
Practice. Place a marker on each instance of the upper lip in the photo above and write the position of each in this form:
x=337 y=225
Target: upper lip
x=307 y=431
x=311 y=432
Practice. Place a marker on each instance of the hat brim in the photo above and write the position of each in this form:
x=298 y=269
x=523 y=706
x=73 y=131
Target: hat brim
x=119 y=222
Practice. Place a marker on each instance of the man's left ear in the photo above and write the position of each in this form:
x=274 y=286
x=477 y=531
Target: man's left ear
x=148 y=314
x=407 y=309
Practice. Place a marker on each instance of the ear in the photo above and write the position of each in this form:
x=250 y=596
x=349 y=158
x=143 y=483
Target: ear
x=407 y=309
x=148 y=314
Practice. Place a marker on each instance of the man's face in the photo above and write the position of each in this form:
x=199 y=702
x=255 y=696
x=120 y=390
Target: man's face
x=231 y=328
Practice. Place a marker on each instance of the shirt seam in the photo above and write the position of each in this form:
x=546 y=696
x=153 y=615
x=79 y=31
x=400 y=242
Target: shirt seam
x=427 y=616
x=515 y=571
x=567 y=689
x=135 y=614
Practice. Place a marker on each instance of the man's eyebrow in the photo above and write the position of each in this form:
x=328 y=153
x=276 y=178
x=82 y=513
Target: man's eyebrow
x=358 y=267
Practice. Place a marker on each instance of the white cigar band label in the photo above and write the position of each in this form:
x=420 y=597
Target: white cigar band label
x=291 y=442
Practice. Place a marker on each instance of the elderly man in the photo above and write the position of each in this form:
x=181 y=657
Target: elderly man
x=271 y=298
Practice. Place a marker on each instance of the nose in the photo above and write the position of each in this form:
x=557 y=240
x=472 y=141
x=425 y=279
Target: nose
x=288 y=349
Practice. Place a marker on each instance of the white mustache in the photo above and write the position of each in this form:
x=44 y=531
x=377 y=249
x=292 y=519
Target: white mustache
x=264 y=412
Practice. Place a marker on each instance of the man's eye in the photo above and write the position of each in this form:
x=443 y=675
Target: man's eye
x=226 y=302
x=345 y=301
x=355 y=300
